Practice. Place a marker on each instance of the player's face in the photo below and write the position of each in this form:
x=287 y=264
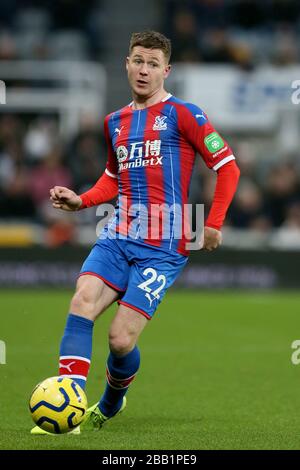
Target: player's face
x=147 y=69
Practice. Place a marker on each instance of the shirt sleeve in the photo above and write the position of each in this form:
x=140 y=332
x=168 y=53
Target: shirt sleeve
x=104 y=190
x=200 y=133
x=227 y=181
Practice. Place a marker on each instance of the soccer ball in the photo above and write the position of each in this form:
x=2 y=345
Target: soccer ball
x=58 y=405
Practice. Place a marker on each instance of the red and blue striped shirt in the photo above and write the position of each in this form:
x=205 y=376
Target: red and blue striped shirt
x=152 y=153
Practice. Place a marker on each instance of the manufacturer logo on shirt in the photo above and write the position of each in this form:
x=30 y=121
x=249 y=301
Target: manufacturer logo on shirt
x=197 y=116
x=118 y=130
x=160 y=124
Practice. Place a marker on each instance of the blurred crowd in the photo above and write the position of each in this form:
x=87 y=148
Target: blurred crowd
x=241 y=32
x=51 y=29
x=34 y=156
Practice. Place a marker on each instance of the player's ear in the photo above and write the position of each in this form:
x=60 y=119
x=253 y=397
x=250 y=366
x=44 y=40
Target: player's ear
x=167 y=71
x=127 y=62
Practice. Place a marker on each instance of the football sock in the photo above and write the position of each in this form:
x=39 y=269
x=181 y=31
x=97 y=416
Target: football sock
x=120 y=372
x=76 y=349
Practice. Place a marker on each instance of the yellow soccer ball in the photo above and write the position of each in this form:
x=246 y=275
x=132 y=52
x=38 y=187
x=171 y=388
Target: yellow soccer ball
x=58 y=405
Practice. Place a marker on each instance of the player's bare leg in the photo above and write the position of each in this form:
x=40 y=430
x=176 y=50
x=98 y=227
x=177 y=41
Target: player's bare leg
x=92 y=297
x=125 y=330
x=122 y=365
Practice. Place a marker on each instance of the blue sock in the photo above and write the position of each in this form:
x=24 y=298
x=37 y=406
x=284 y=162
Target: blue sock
x=120 y=372
x=76 y=349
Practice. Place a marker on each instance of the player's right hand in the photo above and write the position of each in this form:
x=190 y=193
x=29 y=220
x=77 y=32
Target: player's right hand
x=65 y=199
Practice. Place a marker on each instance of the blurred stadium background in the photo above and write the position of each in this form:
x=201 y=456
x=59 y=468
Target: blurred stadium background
x=63 y=65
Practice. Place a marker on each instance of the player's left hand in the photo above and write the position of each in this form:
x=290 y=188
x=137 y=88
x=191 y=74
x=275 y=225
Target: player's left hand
x=211 y=239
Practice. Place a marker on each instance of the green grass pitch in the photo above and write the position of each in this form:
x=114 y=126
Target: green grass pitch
x=216 y=372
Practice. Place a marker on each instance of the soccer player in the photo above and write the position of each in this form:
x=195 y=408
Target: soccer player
x=151 y=145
